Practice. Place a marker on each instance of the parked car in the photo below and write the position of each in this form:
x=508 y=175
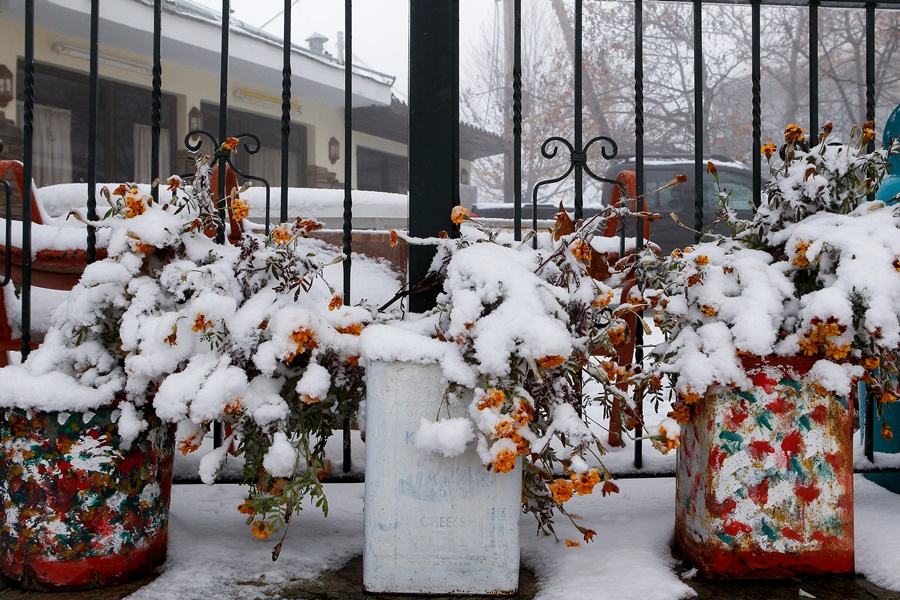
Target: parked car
x=658 y=171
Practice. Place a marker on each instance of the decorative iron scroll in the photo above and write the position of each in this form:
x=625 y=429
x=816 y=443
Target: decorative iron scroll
x=223 y=156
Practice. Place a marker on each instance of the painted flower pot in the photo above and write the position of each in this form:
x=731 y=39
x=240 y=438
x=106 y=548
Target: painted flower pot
x=765 y=477
x=81 y=509
x=433 y=525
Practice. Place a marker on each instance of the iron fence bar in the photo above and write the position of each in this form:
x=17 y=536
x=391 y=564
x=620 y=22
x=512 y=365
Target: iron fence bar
x=7 y=216
x=156 y=108
x=813 y=70
x=433 y=134
x=639 y=187
x=756 y=97
x=27 y=160
x=348 y=198
x=870 y=400
x=517 y=119
x=579 y=113
x=93 y=107
x=221 y=157
x=285 y=114
x=698 y=117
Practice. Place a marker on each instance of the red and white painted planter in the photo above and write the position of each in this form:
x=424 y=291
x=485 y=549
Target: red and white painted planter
x=83 y=509
x=765 y=477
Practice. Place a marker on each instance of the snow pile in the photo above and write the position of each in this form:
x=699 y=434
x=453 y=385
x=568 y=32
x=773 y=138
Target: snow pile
x=248 y=333
x=816 y=272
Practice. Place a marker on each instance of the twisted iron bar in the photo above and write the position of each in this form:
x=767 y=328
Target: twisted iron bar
x=285 y=114
x=156 y=102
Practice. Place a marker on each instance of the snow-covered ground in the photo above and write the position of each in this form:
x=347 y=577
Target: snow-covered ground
x=211 y=551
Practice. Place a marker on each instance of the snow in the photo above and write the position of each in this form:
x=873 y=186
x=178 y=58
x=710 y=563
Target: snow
x=210 y=547
x=448 y=437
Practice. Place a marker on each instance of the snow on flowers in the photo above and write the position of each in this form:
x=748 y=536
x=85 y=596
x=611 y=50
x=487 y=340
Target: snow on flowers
x=814 y=273
x=516 y=329
x=246 y=333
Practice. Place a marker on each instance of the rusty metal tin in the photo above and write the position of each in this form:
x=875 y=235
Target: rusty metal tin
x=765 y=477
x=80 y=508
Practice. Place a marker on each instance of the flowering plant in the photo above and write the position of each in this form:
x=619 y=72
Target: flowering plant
x=520 y=326
x=815 y=272
x=248 y=334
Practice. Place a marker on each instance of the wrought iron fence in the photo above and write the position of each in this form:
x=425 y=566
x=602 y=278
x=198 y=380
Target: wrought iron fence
x=433 y=132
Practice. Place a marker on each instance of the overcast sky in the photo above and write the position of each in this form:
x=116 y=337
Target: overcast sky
x=380 y=27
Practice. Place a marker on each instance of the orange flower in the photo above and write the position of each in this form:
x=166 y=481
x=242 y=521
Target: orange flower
x=492 y=398
x=896 y=264
x=868 y=132
x=233 y=407
x=549 y=362
x=230 y=144
x=190 y=444
x=246 y=509
x=609 y=488
x=352 y=329
x=201 y=324
x=134 y=206
x=337 y=301
x=680 y=412
x=888 y=397
x=709 y=311
x=240 y=209
x=281 y=234
x=505 y=461
x=572 y=544
x=394 y=238
x=562 y=491
x=581 y=250
x=325 y=471
x=585 y=482
x=886 y=432
x=702 y=260
x=870 y=363
x=677 y=253
x=171 y=339
x=458 y=214
x=503 y=428
x=352 y=361
x=261 y=529
x=768 y=149
x=121 y=190
x=589 y=535
x=174 y=183
x=309 y=400
x=306 y=225
x=142 y=248
x=603 y=301
x=524 y=412
x=793 y=133
x=837 y=352
x=303 y=338
x=711 y=168
x=689 y=396
x=800 y=259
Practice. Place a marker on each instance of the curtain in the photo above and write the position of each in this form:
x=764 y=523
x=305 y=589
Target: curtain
x=267 y=164
x=142 y=151
x=52 y=145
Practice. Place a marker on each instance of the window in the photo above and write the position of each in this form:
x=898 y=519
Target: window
x=267 y=162
x=381 y=172
x=61 y=128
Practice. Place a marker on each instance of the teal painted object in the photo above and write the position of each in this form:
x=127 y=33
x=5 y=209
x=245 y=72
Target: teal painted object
x=889 y=191
x=890 y=481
